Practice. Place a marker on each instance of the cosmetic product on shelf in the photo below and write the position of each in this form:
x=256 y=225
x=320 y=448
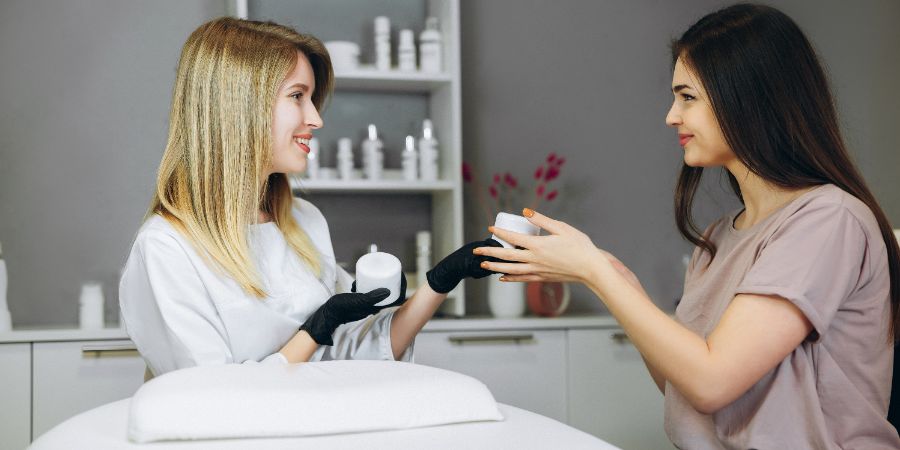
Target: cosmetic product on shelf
x=373 y=156
x=90 y=306
x=312 y=160
x=410 y=161
x=345 y=159
x=5 y=317
x=430 y=47
x=344 y=55
x=406 y=51
x=382 y=43
x=423 y=256
x=428 y=153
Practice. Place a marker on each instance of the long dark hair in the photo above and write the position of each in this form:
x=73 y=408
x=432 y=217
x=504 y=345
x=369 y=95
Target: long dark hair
x=771 y=98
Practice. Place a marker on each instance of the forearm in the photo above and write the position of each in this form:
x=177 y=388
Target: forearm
x=672 y=352
x=300 y=348
x=409 y=319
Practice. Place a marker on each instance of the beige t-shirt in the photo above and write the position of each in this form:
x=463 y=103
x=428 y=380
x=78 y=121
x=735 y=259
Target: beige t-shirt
x=824 y=253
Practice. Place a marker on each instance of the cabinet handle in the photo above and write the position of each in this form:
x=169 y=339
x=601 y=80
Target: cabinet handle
x=491 y=338
x=106 y=348
x=620 y=338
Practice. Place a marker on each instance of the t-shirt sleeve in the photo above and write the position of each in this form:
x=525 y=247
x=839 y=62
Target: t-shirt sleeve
x=814 y=260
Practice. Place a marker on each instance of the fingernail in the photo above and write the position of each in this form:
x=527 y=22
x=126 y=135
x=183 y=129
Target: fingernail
x=491 y=229
x=502 y=278
x=477 y=251
x=527 y=212
x=484 y=265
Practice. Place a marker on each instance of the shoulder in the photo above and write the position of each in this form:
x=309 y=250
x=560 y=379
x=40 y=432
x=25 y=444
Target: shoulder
x=157 y=234
x=830 y=205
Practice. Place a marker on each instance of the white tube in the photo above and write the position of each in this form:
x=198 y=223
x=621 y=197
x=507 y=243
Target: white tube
x=512 y=222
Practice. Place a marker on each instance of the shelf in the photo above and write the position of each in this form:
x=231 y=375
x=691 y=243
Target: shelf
x=395 y=81
x=392 y=183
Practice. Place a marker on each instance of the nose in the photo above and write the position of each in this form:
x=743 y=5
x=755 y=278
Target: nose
x=673 y=117
x=312 y=118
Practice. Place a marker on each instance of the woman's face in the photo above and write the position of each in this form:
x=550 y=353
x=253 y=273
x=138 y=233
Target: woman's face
x=294 y=118
x=698 y=130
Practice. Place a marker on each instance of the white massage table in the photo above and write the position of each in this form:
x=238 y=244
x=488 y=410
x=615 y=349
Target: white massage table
x=104 y=428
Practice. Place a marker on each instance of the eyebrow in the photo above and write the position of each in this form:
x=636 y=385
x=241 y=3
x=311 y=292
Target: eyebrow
x=298 y=85
x=680 y=87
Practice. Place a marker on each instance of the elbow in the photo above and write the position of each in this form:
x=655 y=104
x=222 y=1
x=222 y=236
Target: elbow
x=707 y=405
x=709 y=397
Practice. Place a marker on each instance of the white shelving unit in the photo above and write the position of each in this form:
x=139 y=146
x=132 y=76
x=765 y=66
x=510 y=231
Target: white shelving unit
x=443 y=92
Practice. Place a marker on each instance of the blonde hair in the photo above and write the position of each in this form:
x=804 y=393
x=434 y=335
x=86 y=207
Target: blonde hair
x=209 y=184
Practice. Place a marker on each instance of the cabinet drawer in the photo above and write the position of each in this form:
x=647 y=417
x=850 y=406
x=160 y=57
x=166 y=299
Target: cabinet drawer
x=521 y=368
x=15 y=396
x=72 y=377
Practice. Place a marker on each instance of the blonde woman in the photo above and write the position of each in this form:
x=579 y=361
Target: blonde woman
x=228 y=267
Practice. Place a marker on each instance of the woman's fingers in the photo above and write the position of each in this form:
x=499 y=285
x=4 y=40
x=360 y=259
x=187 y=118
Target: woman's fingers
x=508 y=268
x=516 y=239
x=507 y=254
x=546 y=223
x=522 y=278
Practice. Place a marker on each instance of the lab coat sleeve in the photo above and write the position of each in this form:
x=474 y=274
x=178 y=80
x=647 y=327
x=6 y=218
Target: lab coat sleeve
x=369 y=338
x=167 y=311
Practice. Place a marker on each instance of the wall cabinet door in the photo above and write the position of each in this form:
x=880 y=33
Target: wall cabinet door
x=521 y=368
x=15 y=396
x=611 y=394
x=73 y=377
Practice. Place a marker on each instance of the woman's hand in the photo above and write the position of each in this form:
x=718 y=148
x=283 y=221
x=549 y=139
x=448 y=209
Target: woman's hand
x=565 y=254
x=341 y=309
x=463 y=263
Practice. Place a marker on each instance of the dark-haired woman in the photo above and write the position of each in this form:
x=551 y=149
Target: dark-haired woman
x=784 y=335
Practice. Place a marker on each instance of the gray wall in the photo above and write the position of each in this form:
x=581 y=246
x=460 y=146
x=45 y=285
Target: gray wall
x=85 y=89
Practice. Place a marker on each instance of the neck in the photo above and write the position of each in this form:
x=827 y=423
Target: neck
x=761 y=197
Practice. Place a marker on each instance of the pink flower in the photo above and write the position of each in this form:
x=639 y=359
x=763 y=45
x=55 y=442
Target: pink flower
x=466 y=172
x=539 y=172
x=540 y=190
x=552 y=195
x=496 y=178
x=560 y=162
x=510 y=180
x=552 y=173
x=551 y=157
x=493 y=191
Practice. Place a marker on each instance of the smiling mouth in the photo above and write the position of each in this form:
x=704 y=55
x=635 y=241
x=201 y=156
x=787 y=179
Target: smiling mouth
x=684 y=138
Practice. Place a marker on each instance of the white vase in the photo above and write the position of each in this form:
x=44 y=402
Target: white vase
x=505 y=299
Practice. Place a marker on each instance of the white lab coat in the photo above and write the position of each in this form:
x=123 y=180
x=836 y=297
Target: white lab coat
x=180 y=312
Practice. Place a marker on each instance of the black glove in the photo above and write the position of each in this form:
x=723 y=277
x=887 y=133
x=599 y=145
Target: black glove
x=460 y=264
x=400 y=300
x=341 y=309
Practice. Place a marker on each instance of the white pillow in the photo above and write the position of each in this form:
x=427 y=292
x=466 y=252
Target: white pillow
x=328 y=397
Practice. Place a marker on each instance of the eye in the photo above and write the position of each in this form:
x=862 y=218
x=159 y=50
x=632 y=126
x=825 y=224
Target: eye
x=296 y=95
x=687 y=97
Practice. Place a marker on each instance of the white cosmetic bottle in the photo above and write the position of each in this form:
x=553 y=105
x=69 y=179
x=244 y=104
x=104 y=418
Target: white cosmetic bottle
x=345 y=159
x=373 y=156
x=382 y=43
x=514 y=223
x=312 y=159
x=410 y=161
x=428 y=153
x=423 y=257
x=430 y=47
x=5 y=317
x=406 y=51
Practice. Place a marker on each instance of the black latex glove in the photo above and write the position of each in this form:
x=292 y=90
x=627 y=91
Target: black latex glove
x=400 y=300
x=341 y=309
x=460 y=264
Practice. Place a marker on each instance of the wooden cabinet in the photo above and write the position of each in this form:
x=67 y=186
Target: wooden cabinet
x=72 y=377
x=523 y=368
x=15 y=392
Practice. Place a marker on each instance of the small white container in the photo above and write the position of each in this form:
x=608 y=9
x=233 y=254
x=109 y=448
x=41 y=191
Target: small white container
x=406 y=51
x=423 y=257
x=430 y=47
x=373 y=156
x=5 y=317
x=344 y=55
x=379 y=270
x=382 y=43
x=312 y=159
x=345 y=159
x=90 y=306
x=410 y=160
x=428 y=153
x=515 y=223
